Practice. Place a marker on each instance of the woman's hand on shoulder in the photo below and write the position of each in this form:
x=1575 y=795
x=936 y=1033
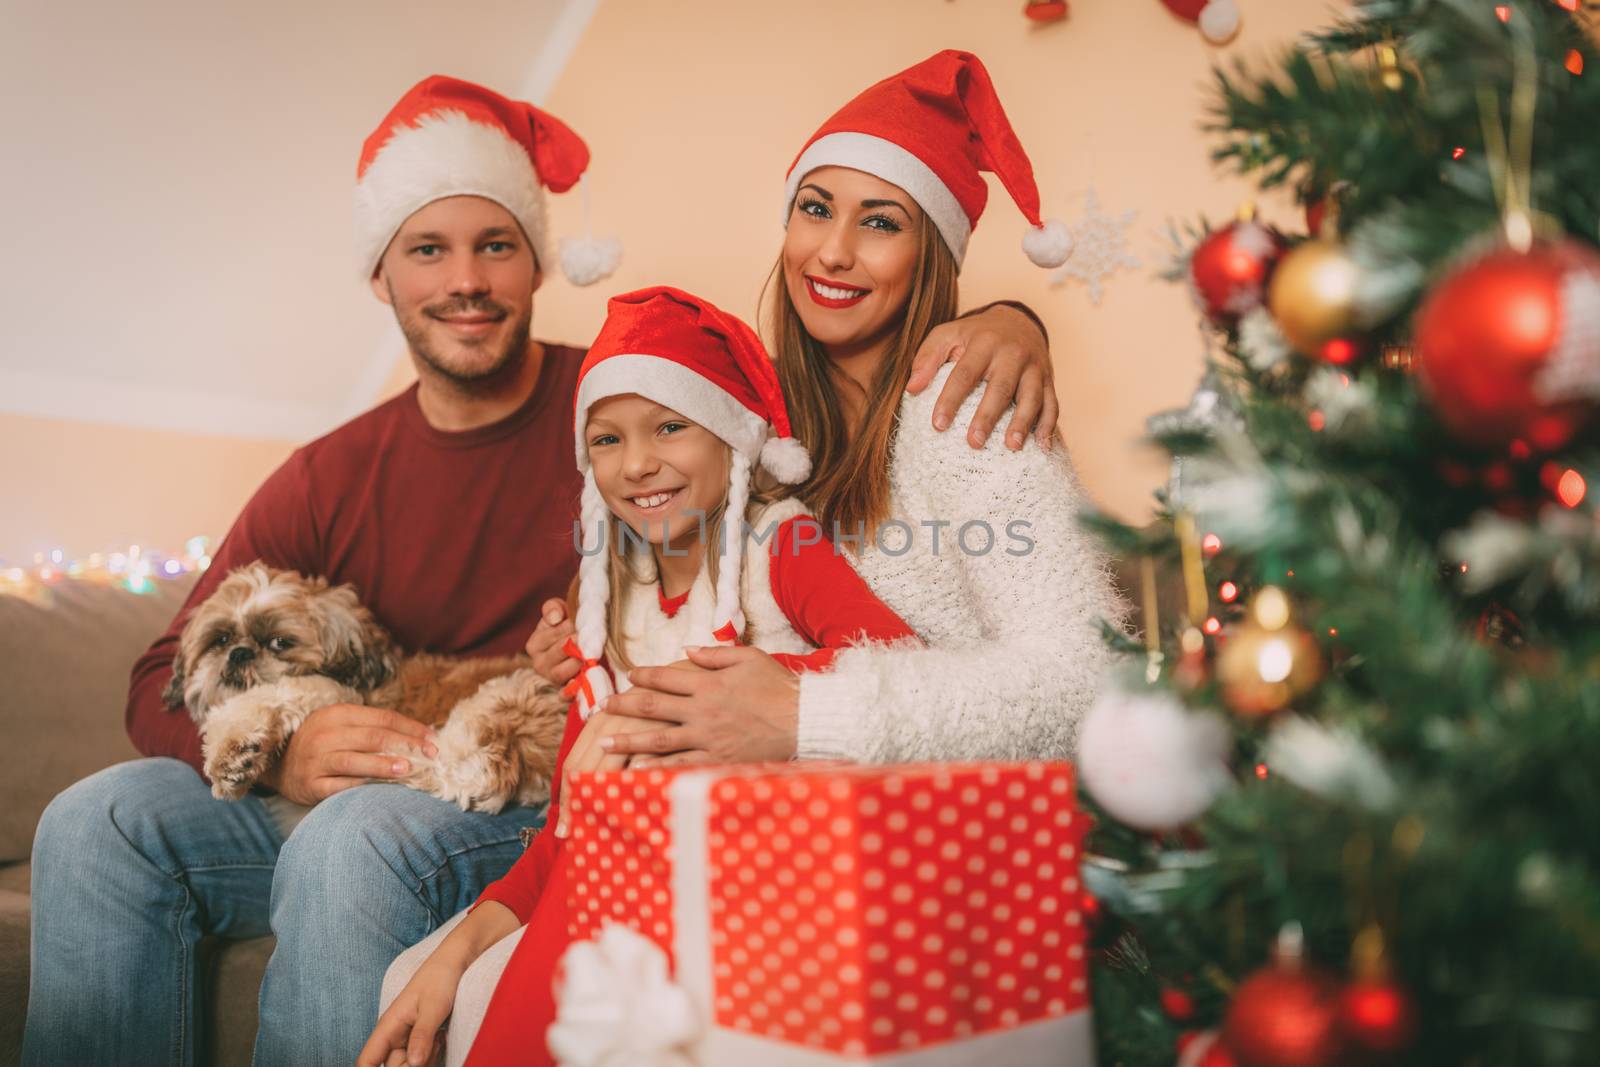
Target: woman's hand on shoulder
x=1004 y=348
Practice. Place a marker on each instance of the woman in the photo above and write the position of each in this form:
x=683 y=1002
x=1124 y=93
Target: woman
x=982 y=553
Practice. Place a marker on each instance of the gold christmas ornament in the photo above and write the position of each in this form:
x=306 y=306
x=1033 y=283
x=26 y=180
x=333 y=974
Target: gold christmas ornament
x=1268 y=660
x=1313 y=294
x=1389 y=68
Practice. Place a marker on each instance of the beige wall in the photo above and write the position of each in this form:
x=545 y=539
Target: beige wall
x=85 y=488
x=693 y=109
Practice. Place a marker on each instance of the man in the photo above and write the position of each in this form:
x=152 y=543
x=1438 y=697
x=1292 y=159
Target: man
x=450 y=509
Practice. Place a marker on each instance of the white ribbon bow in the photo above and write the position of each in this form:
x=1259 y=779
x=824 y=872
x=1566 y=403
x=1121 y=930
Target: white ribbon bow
x=617 y=1005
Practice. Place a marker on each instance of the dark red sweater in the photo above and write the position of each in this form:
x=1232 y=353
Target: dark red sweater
x=452 y=539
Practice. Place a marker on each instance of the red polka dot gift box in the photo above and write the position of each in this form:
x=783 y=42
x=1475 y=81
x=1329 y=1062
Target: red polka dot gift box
x=827 y=913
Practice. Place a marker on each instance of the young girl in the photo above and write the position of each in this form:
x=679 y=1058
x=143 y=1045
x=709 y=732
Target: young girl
x=676 y=404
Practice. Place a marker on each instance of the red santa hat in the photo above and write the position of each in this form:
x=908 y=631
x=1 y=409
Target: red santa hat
x=686 y=354
x=447 y=137
x=932 y=130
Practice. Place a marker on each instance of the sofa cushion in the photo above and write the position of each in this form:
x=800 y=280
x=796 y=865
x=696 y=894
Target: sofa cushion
x=13 y=973
x=65 y=658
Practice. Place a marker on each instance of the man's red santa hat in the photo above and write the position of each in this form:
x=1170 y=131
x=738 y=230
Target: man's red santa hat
x=686 y=354
x=447 y=137
x=932 y=130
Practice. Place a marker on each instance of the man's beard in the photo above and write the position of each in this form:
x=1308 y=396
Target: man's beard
x=480 y=378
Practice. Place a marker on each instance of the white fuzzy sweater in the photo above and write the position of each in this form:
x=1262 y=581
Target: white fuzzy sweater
x=1014 y=652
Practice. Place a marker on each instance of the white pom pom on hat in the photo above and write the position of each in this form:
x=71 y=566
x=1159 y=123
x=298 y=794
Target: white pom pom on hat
x=786 y=460
x=1049 y=245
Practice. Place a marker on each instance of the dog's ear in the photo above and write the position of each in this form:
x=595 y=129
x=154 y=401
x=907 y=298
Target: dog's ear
x=356 y=650
x=173 y=693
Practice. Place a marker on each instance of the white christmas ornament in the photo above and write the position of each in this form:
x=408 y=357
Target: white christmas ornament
x=1260 y=341
x=1219 y=21
x=1348 y=405
x=1099 y=248
x=1332 y=763
x=617 y=1006
x=1151 y=762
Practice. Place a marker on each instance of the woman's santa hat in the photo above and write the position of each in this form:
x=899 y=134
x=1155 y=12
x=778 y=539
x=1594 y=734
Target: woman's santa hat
x=447 y=137
x=710 y=367
x=932 y=130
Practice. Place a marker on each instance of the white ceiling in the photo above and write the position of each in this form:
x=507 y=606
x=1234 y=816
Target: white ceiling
x=177 y=180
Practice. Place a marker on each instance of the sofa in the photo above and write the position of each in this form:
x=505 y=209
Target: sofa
x=64 y=662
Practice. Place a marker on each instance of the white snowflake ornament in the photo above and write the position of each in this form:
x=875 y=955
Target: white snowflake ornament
x=1099 y=248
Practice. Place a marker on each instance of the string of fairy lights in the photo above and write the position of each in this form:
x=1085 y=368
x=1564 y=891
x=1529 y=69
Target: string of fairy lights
x=136 y=569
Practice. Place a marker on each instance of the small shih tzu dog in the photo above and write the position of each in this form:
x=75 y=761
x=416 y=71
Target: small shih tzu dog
x=270 y=646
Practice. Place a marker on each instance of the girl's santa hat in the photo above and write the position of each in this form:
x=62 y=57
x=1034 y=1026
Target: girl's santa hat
x=447 y=137
x=710 y=367
x=932 y=130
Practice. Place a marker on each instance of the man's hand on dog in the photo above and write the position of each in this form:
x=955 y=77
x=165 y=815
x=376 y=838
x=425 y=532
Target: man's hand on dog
x=344 y=745
x=550 y=659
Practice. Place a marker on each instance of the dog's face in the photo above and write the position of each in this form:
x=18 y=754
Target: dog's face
x=262 y=625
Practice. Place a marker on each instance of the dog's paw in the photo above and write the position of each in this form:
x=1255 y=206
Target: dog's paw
x=234 y=768
x=463 y=774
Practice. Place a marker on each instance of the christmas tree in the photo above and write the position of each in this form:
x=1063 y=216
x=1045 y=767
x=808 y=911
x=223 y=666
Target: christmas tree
x=1349 y=802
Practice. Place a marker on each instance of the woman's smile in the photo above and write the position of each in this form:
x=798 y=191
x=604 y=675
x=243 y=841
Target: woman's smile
x=831 y=294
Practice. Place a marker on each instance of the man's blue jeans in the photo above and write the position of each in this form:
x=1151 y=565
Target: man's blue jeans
x=133 y=865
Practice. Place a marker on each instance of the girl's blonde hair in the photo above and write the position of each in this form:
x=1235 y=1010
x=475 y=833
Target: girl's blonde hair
x=848 y=490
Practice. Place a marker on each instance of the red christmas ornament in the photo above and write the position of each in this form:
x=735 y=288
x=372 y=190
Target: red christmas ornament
x=1499 y=625
x=1091 y=908
x=1284 y=1016
x=1203 y=1048
x=1339 y=351
x=1377 y=1017
x=1508 y=347
x=1046 y=10
x=1178 y=1005
x=1217 y=1056
x=1229 y=270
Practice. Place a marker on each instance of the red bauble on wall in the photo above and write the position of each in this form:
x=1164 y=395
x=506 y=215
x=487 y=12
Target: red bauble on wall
x=1284 y=1016
x=1045 y=10
x=1508 y=346
x=1230 y=268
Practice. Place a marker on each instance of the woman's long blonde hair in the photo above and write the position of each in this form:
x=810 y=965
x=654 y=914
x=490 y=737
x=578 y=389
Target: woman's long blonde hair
x=849 y=485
